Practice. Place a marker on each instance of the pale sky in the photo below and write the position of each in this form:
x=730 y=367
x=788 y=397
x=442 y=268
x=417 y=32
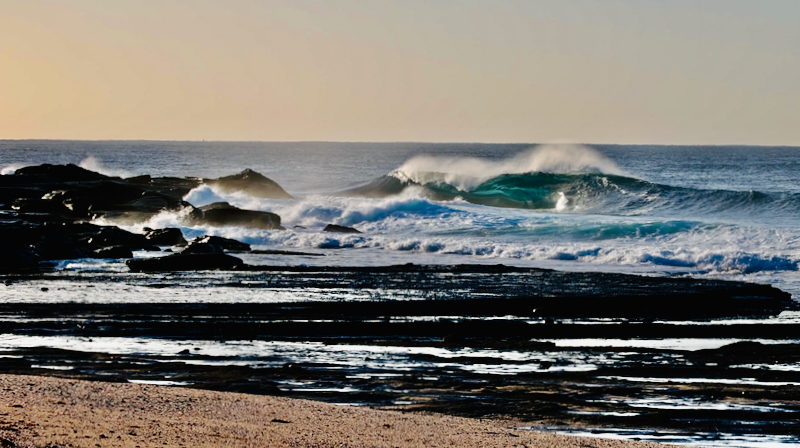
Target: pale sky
x=613 y=71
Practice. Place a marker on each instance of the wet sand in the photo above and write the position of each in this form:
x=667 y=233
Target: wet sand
x=52 y=412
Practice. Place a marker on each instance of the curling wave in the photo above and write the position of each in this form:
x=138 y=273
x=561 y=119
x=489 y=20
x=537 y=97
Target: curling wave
x=579 y=192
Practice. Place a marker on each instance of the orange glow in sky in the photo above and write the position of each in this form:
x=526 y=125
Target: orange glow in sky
x=617 y=71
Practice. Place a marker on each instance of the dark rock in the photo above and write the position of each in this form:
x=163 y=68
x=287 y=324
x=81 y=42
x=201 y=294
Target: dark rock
x=139 y=180
x=285 y=252
x=151 y=203
x=106 y=192
x=217 y=206
x=18 y=258
x=115 y=199
x=202 y=248
x=113 y=252
x=224 y=214
x=61 y=247
x=46 y=218
x=454 y=338
x=64 y=241
x=114 y=236
x=64 y=173
x=181 y=262
x=9 y=194
x=340 y=229
x=225 y=243
x=173 y=187
x=166 y=237
x=252 y=183
x=27 y=205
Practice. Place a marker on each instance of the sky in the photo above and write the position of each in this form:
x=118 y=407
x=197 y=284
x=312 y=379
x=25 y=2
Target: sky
x=612 y=71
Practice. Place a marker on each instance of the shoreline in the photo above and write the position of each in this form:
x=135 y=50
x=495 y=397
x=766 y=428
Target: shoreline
x=45 y=411
x=470 y=341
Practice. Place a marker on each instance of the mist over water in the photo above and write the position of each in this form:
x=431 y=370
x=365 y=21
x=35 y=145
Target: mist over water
x=92 y=163
x=465 y=173
x=727 y=212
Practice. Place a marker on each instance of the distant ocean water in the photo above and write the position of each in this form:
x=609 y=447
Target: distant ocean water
x=705 y=211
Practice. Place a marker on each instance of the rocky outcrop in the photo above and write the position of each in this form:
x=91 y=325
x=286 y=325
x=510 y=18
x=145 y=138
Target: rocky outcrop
x=44 y=212
x=202 y=248
x=113 y=252
x=224 y=243
x=28 y=205
x=70 y=192
x=61 y=247
x=252 y=183
x=224 y=214
x=59 y=173
x=340 y=229
x=10 y=194
x=185 y=262
x=165 y=237
x=16 y=258
x=114 y=236
x=27 y=243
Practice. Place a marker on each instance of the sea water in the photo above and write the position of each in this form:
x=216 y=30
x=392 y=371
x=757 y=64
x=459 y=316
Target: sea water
x=700 y=211
x=703 y=211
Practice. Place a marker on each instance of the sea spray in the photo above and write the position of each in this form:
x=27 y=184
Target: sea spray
x=466 y=173
x=92 y=163
x=10 y=169
x=588 y=193
x=409 y=224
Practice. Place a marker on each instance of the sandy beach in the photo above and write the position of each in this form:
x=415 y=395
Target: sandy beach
x=53 y=412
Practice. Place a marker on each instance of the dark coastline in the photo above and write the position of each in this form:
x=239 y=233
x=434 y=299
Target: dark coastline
x=457 y=319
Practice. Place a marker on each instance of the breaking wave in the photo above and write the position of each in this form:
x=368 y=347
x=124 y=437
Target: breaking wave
x=579 y=192
x=566 y=179
x=431 y=208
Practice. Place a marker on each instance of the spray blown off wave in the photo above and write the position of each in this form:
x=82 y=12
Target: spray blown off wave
x=92 y=163
x=465 y=173
x=10 y=169
x=590 y=193
x=574 y=179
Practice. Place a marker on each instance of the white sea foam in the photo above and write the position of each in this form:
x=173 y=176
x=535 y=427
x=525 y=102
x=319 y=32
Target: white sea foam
x=467 y=172
x=409 y=224
x=10 y=169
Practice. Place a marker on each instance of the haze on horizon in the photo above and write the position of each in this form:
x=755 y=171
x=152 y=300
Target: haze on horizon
x=616 y=71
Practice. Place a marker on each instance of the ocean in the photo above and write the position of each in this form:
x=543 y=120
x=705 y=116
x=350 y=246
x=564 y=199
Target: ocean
x=708 y=212
x=725 y=212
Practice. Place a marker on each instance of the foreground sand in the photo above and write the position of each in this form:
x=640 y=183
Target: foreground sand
x=47 y=412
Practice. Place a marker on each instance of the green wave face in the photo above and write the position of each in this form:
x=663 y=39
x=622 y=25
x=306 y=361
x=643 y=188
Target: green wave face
x=582 y=193
x=542 y=191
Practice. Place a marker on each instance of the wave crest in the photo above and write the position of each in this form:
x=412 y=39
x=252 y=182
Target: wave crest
x=584 y=192
x=464 y=173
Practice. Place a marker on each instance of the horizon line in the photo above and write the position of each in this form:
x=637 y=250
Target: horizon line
x=402 y=142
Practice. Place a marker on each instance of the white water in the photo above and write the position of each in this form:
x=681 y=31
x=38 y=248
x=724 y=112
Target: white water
x=467 y=172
